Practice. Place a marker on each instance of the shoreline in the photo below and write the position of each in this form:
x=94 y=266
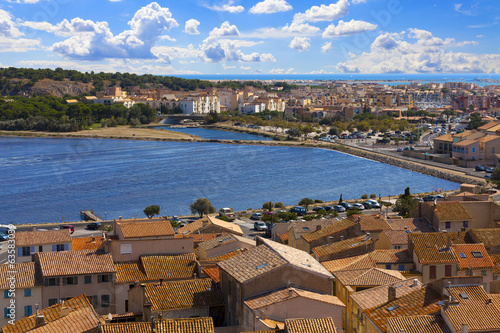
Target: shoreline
x=147 y=134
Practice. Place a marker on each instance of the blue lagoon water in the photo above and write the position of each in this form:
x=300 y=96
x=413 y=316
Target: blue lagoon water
x=207 y=133
x=43 y=180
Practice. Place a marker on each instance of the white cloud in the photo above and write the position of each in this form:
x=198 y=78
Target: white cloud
x=163 y=52
x=300 y=43
x=18 y=45
x=270 y=7
x=167 y=37
x=24 y=1
x=94 y=40
x=225 y=30
x=7 y=26
x=353 y=27
x=322 y=71
x=418 y=51
x=247 y=68
x=227 y=7
x=191 y=27
x=282 y=71
x=358 y=1
x=227 y=67
x=292 y=30
x=458 y=8
x=323 y=12
x=326 y=47
x=480 y=36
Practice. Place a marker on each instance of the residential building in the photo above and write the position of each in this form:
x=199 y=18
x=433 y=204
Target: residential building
x=372 y=224
x=417 y=324
x=87 y=243
x=183 y=325
x=222 y=245
x=490 y=238
x=210 y=225
x=399 y=260
x=474 y=260
x=299 y=229
x=31 y=242
x=345 y=248
x=445 y=215
x=70 y=273
x=331 y=233
x=300 y=325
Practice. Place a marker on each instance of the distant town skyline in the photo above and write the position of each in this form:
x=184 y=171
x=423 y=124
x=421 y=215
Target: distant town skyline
x=252 y=37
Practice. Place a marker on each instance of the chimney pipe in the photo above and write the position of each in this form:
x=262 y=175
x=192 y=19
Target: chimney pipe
x=465 y=328
x=318 y=227
x=290 y=292
x=391 y=294
x=161 y=282
x=39 y=320
x=92 y=239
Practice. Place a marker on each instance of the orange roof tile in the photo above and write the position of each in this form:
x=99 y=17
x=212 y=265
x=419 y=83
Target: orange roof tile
x=228 y=255
x=396 y=237
x=371 y=222
x=87 y=243
x=320 y=325
x=495 y=258
x=81 y=318
x=213 y=273
x=489 y=237
x=26 y=275
x=432 y=248
x=284 y=237
x=31 y=238
x=368 y=277
x=273 y=323
x=223 y=240
x=199 y=225
x=146 y=229
x=342 y=246
x=412 y=224
x=286 y=294
x=198 y=238
x=173 y=295
x=74 y=263
x=129 y=272
x=418 y=324
x=305 y=227
x=391 y=256
x=472 y=256
x=357 y=262
x=190 y=325
x=330 y=229
x=451 y=211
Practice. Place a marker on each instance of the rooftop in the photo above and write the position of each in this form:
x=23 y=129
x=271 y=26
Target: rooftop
x=320 y=325
x=74 y=263
x=368 y=277
x=472 y=256
x=412 y=224
x=191 y=325
x=31 y=238
x=87 y=243
x=306 y=227
x=223 y=240
x=351 y=263
x=371 y=222
x=205 y=221
x=345 y=245
x=185 y=294
x=396 y=237
x=329 y=229
x=26 y=275
x=418 y=324
x=145 y=229
x=451 y=211
x=489 y=237
x=433 y=248
x=213 y=273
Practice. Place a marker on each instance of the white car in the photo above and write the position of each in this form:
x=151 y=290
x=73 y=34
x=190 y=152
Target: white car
x=358 y=206
x=256 y=216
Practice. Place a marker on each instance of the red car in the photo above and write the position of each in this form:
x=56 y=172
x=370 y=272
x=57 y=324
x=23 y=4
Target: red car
x=68 y=226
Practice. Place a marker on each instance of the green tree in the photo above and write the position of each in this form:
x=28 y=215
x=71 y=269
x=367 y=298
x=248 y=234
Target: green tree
x=294 y=132
x=352 y=211
x=405 y=203
x=475 y=121
x=268 y=205
x=202 y=206
x=151 y=211
x=279 y=205
x=340 y=200
x=306 y=202
x=334 y=131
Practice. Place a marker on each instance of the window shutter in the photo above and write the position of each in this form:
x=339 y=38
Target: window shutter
x=54 y=248
x=58 y=281
x=65 y=281
x=99 y=278
x=32 y=250
x=76 y=280
x=66 y=247
x=46 y=282
x=110 y=278
x=19 y=251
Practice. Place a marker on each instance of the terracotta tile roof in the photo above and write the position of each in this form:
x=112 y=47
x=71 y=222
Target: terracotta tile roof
x=495 y=298
x=464 y=143
x=371 y=222
x=191 y=325
x=213 y=273
x=330 y=229
x=223 y=240
x=267 y=257
x=155 y=267
x=228 y=255
x=345 y=245
x=432 y=248
x=31 y=238
x=193 y=226
x=85 y=243
x=199 y=225
x=26 y=275
x=418 y=324
x=197 y=238
x=451 y=211
x=488 y=125
x=457 y=237
x=463 y=134
x=350 y=263
x=273 y=323
x=412 y=224
x=74 y=263
x=284 y=237
x=489 y=237
x=472 y=256
x=419 y=302
x=146 y=229
x=286 y=294
x=265 y=331
x=487 y=138
x=305 y=227
x=376 y=296
x=391 y=256
x=321 y=325
x=495 y=258
x=396 y=237
x=82 y=318
x=368 y=277
x=174 y=295
x=473 y=310
x=445 y=137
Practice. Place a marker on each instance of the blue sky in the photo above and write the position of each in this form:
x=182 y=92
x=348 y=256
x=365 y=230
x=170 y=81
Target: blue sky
x=247 y=37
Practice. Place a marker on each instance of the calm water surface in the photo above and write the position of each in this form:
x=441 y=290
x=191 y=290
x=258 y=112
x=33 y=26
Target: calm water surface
x=45 y=179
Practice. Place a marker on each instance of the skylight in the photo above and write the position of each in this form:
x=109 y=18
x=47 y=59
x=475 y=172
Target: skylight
x=262 y=266
x=462 y=255
x=305 y=228
x=464 y=295
x=226 y=239
x=477 y=254
x=391 y=308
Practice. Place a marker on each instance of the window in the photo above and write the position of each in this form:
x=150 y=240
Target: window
x=473 y=149
x=50 y=282
x=126 y=249
x=93 y=301
x=462 y=255
x=52 y=301
x=397 y=247
x=28 y=310
x=401 y=267
x=103 y=278
x=465 y=224
x=40 y=248
x=126 y=305
x=483 y=272
x=447 y=225
x=88 y=279
x=477 y=254
x=6 y=313
x=447 y=270
x=27 y=292
x=70 y=281
x=105 y=301
x=432 y=272
x=58 y=247
x=388 y=266
x=6 y=294
x=26 y=251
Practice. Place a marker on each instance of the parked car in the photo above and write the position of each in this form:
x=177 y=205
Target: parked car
x=346 y=205
x=489 y=170
x=480 y=168
x=367 y=205
x=317 y=209
x=429 y=198
x=328 y=208
x=487 y=176
x=260 y=226
x=339 y=208
x=68 y=226
x=298 y=210
x=256 y=216
x=93 y=225
x=358 y=206
x=374 y=203
x=269 y=213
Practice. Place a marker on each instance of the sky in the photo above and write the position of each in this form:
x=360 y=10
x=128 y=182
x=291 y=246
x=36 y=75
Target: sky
x=251 y=36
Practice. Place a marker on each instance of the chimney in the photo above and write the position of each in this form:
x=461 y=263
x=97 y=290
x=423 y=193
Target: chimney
x=290 y=292
x=415 y=283
x=465 y=328
x=449 y=243
x=65 y=310
x=92 y=239
x=119 y=218
x=161 y=282
x=39 y=320
x=318 y=227
x=489 y=301
x=195 y=275
x=341 y=238
x=391 y=294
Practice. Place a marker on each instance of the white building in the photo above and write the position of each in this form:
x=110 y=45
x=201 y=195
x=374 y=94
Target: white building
x=250 y=108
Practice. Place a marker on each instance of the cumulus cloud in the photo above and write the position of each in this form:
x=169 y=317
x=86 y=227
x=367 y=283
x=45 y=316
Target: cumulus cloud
x=270 y=7
x=225 y=30
x=323 y=12
x=326 y=47
x=94 y=40
x=9 y=36
x=353 y=27
x=282 y=71
x=226 y=7
x=191 y=27
x=7 y=26
x=25 y=1
x=358 y=1
x=418 y=51
x=300 y=43
x=292 y=30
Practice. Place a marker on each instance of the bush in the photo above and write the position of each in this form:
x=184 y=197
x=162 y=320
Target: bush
x=352 y=211
x=373 y=196
x=223 y=218
x=364 y=196
x=287 y=216
x=267 y=205
x=318 y=201
x=279 y=205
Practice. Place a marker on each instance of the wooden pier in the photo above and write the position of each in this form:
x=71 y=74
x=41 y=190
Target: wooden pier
x=89 y=215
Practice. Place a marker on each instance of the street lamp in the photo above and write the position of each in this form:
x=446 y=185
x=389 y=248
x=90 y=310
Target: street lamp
x=105 y=216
